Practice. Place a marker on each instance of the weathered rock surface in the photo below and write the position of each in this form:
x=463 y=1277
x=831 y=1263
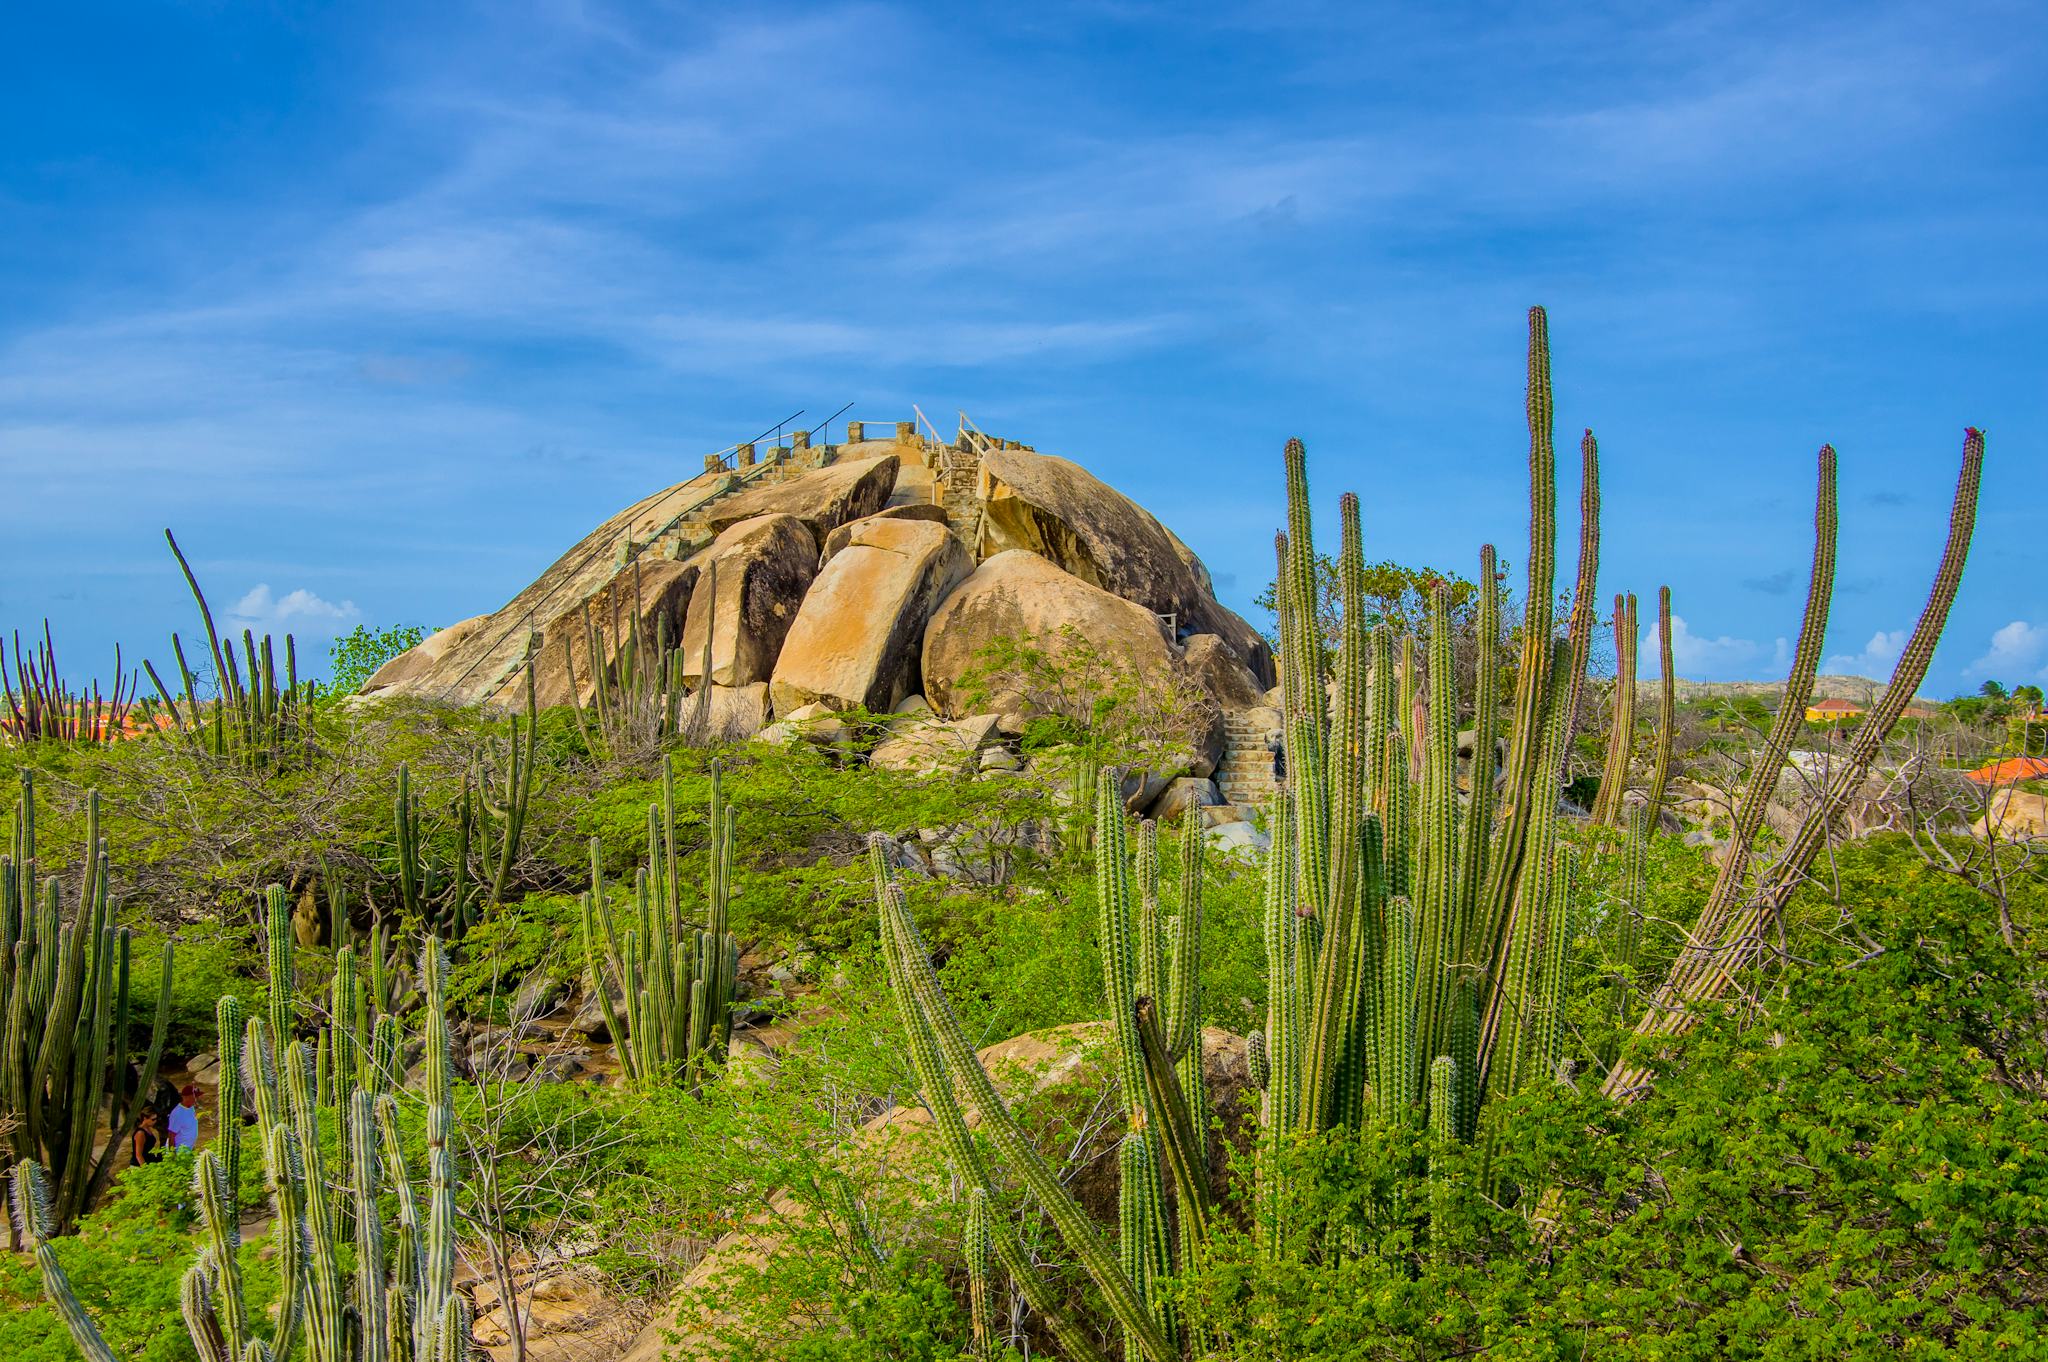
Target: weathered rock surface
x=759 y=569
x=823 y=499
x=733 y=713
x=857 y=640
x=1020 y=595
x=2015 y=813
x=1059 y=509
x=422 y=663
x=838 y=539
x=478 y=661
x=932 y=745
x=1182 y=794
x=652 y=595
x=1217 y=668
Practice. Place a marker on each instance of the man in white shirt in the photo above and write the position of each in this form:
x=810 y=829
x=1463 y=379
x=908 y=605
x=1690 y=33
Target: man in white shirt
x=184 y=1122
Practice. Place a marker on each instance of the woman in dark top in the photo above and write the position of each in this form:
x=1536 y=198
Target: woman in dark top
x=148 y=1147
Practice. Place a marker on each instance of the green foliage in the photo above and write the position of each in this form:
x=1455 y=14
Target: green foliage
x=1396 y=598
x=356 y=655
x=124 y=1264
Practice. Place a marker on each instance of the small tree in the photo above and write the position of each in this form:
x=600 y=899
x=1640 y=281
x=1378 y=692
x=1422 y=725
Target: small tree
x=362 y=650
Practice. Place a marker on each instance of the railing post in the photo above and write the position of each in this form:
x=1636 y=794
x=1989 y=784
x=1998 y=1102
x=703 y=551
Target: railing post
x=744 y=456
x=856 y=431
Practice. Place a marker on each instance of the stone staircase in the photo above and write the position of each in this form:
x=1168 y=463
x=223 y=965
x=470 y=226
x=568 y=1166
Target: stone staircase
x=960 y=494
x=1248 y=774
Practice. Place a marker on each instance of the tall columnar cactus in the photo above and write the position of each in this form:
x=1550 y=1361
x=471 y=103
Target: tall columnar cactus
x=676 y=978
x=1585 y=611
x=35 y=1223
x=1667 y=710
x=1727 y=932
x=947 y=1069
x=978 y=1247
x=65 y=1007
x=1622 y=728
x=350 y=1294
x=254 y=719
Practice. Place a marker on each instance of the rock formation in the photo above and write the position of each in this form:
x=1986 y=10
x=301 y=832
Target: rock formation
x=871 y=576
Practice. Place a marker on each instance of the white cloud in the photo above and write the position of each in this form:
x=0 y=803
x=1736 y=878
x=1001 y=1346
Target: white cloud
x=1723 y=658
x=1876 y=660
x=299 y=611
x=2017 y=650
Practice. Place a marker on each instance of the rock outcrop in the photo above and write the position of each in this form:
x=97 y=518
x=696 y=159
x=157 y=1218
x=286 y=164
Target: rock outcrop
x=917 y=510
x=823 y=500
x=1060 y=510
x=872 y=575
x=650 y=599
x=753 y=582
x=857 y=639
x=1020 y=595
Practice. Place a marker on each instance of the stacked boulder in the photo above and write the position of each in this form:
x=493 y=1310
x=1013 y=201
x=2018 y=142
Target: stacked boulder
x=832 y=580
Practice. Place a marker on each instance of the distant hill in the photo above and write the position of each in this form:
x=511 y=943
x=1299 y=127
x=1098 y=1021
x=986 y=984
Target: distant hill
x=1860 y=689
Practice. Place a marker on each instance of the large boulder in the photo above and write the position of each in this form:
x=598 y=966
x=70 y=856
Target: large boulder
x=652 y=596
x=856 y=640
x=731 y=713
x=931 y=746
x=1059 y=509
x=824 y=499
x=1021 y=596
x=841 y=537
x=759 y=571
x=419 y=662
x=1217 y=668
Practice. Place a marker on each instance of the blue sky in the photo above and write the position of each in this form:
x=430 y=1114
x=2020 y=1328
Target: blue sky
x=382 y=306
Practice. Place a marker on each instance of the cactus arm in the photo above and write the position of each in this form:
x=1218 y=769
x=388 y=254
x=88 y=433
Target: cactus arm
x=1073 y=1224
x=1182 y=1146
x=978 y=1247
x=1667 y=709
x=35 y=1221
x=1584 y=617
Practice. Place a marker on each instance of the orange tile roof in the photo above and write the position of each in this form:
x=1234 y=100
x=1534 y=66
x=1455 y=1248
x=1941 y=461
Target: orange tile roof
x=2010 y=770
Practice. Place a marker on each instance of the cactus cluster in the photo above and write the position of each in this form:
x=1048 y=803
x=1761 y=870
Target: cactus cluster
x=675 y=978
x=67 y=1018
x=1731 y=925
x=1409 y=920
x=40 y=707
x=637 y=700
x=350 y=1293
x=252 y=717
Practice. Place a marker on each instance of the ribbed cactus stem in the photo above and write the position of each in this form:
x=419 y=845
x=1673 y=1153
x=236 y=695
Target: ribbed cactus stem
x=1585 y=587
x=1399 y=1075
x=1443 y=1085
x=1621 y=733
x=35 y=1220
x=231 y=1023
x=978 y=1247
x=281 y=972
x=1533 y=682
x=920 y=983
x=1667 y=709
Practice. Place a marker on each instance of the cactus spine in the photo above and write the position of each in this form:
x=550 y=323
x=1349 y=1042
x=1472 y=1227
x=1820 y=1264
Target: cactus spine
x=676 y=979
x=67 y=1017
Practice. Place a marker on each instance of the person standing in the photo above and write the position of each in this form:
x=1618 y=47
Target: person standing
x=149 y=1139
x=184 y=1121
